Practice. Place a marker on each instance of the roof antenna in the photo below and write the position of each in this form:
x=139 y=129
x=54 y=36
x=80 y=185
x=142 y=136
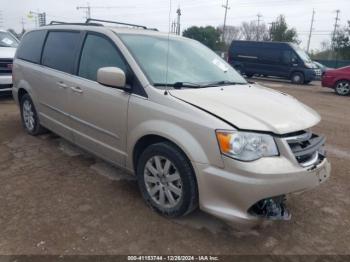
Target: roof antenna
x=167 y=54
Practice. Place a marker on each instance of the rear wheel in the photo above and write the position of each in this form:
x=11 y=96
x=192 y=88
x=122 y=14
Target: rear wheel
x=30 y=119
x=166 y=180
x=297 y=78
x=249 y=75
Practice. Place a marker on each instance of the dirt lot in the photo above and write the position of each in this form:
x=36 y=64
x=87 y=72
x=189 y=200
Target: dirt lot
x=55 y=199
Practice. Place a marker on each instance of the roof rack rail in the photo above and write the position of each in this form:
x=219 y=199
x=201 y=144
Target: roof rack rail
x=113 y=22
x=65 y=23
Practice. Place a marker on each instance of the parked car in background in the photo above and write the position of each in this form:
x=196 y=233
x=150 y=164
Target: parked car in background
x=276 y=59
x=321 y=69
x=193 y=130
x=8 y=45
x=338 y=79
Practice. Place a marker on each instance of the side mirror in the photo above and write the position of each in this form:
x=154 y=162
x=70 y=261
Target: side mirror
x=111 y=76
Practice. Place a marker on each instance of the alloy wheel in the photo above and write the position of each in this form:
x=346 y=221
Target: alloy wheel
x=343 y=88
x=28 y=115
x=163 y=181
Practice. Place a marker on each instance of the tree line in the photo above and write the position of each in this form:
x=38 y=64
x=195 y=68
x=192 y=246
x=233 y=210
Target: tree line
x=216 y=39
x=337 y=48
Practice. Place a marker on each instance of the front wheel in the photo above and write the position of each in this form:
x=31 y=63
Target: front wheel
x=342 y=88
x=166 y=180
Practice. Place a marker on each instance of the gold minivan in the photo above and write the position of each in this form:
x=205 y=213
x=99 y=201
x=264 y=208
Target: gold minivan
x=168 y=109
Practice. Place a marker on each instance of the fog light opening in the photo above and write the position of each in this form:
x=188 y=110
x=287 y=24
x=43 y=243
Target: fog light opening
x=271 y=208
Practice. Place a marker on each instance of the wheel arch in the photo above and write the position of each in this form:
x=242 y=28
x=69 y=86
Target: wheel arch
x=145 y=134
x=20 y=93
x=340 y=80
x=296 y=71
x=148 y=140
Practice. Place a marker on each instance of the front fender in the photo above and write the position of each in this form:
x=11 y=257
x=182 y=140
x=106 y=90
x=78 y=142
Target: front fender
x=176 y=134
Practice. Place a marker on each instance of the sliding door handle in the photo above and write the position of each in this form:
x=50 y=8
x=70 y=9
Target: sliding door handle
x=77 y=89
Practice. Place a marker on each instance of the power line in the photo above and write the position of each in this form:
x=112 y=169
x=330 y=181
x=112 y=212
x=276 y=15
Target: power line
x=311 y=29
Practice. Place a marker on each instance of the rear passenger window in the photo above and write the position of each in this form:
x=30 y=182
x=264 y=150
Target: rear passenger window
x=60 y=50
x=98 y=52
x=30 y=46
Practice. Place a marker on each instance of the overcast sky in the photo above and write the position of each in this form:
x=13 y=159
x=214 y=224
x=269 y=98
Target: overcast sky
x=194 y=12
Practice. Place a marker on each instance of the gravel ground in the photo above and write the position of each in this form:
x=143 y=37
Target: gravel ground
x=57 y=199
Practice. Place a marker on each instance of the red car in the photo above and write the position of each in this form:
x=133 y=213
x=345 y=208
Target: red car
x=338 y=79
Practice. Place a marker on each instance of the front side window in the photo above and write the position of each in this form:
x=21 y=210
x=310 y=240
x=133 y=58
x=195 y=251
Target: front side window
x=98 y=52
x=7 y=40
x=60 y=50
x=178 y=60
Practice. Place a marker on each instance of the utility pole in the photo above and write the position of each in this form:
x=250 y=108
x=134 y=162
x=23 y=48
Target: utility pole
x=1 y=19
x=258 y=28
x=311 y=29
x=335 y=28
x=87 y=9
x=22 y=22
x=224 y=27
x=272 y=27
x=178 y=26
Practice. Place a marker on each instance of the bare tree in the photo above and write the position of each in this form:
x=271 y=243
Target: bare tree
x=325 y=45
x=231 y=33
x=252 y=32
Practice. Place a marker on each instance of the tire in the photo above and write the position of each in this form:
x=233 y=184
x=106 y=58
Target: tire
x=342 y=88
x=297 y=78
x=29 y=116
x=249 y=75
x=155 y=186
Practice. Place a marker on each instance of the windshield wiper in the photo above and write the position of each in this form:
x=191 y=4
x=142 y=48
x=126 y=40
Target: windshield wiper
x=178 y=85
x=223 y=83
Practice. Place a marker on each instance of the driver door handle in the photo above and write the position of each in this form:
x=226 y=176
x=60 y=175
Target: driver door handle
x=77 y=89
x=62 y=85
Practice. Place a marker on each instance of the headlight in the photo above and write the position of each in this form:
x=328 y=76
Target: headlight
x=246 y=146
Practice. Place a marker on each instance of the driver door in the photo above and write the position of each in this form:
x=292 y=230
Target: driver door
x=98 y=112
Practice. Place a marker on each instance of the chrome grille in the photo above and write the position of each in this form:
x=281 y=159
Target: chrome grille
x=308 y=148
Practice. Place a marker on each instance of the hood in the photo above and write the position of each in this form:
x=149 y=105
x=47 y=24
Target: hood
x=252 y=107
x=7 y=52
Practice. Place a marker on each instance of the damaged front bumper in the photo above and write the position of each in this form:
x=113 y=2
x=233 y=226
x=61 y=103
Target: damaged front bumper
x=245 y=193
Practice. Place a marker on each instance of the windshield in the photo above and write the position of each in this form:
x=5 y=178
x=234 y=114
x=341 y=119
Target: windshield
x=188 y=61
x=304 y=56
x=7 y=40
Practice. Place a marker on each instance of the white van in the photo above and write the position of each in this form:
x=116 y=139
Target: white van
x=8 y=45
